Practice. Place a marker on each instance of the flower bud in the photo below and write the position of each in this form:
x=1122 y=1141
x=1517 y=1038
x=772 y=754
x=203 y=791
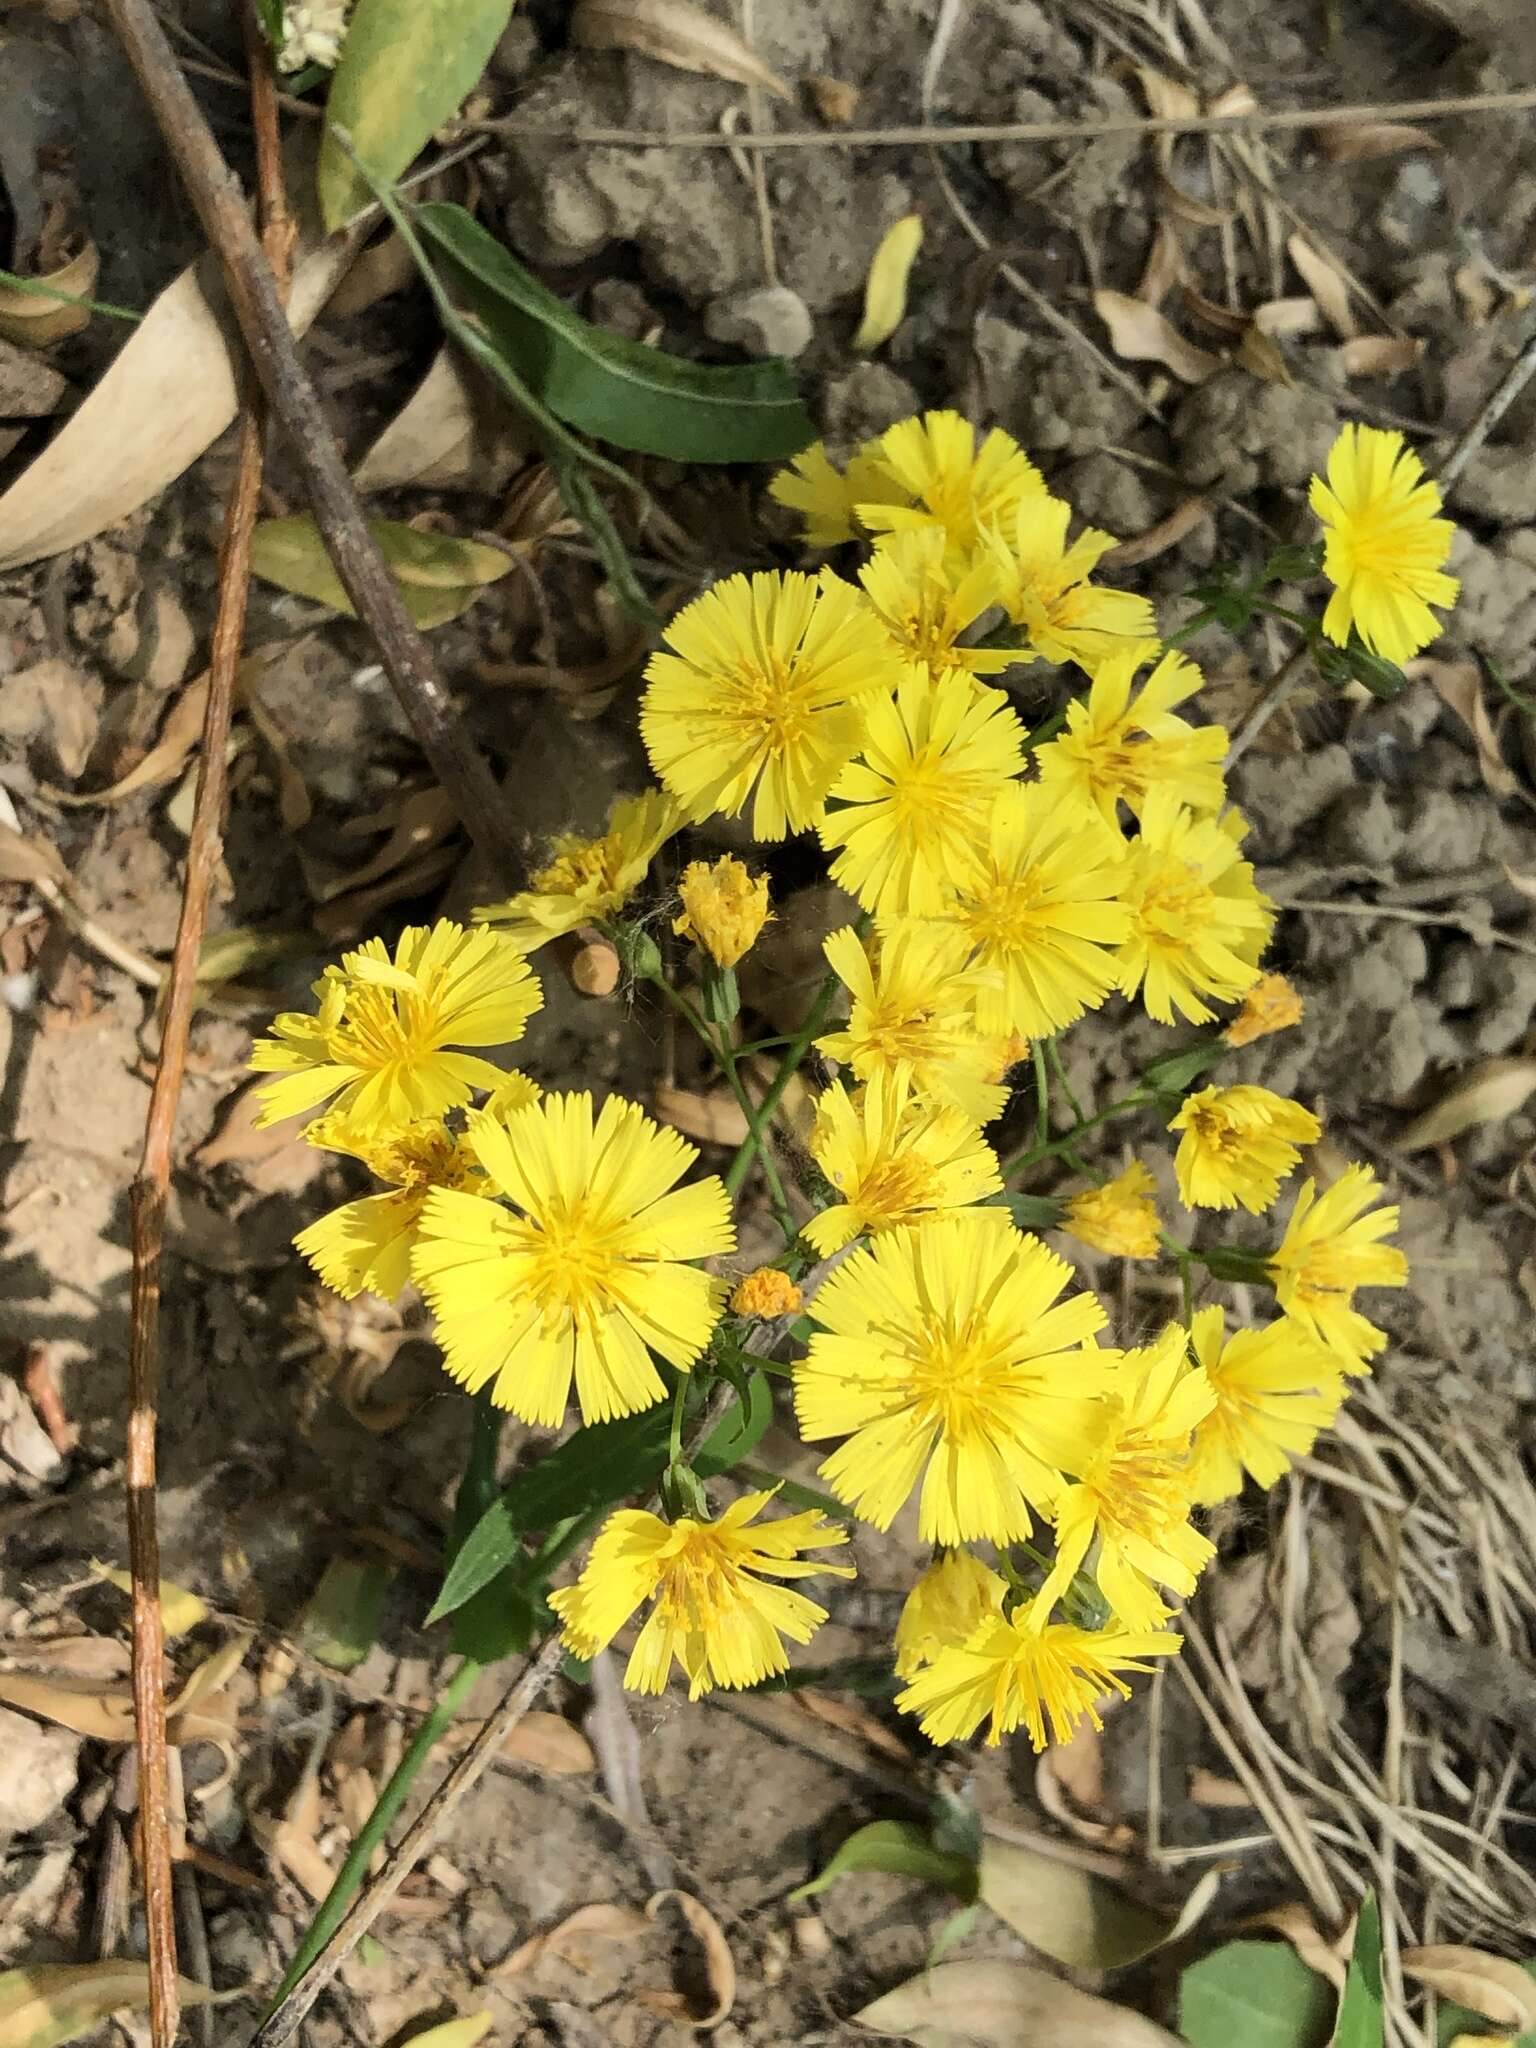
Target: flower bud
x=724 y=908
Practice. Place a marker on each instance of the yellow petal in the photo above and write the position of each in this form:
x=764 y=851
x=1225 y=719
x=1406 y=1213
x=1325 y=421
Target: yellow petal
x=885 y=288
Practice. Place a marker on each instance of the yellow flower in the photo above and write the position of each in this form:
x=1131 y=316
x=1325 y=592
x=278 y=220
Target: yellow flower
x=590 y=1278
x=945 y=1350
x=913 y=1017
x=766 y=687
x=1041 y=916
x=911 y=813
x=950 y=482
x=926 y=607
x=765 y=1292
x=367 y=1244
x=946 y=1606
x=894 y=1160
x=1332 y=1246
x=588 y=879
x=714 y=1611
x=1043 y=586
x=724 y=908
x=1198 y=922
x=1132 y=1497
x=1119 y=1218
x=1384 y=545
x=1238 y=1145
x=1270 y=1005
x=825 y=496
x=1022 y=1669
x=1118 y=751
x=380 y=1042
x=1275 y=1389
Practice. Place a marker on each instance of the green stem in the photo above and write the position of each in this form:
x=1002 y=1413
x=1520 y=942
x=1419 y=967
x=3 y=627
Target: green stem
x=1047 y=729
x=1191 y=626
x=794 y=1053
x=1042 y=1096
x=721 y=1052
x=1059 y=1073
x=1033 y=1154
x=355 y=1868
x=35 y=288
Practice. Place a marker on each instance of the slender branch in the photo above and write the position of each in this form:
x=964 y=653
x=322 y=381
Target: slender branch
x=1509 y=388
x=151 y=1186
x=1013 y=131
x=1286 y=678
x=794 y=1053
x=296 y=407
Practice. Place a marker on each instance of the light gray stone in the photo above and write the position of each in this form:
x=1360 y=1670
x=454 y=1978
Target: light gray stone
x=771 y=321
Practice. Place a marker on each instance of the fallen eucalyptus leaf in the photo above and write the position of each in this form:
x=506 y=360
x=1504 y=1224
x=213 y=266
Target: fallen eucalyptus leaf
x=100 y=1712
x=1344 y=142
x=549 y=1743
x=440 y=575
x=1327 y=285
x=405 y=67
x=1489 y=1985
x=44 y=2004
x=675 y=33
x=977 y=2004
x=167 y=395
x=1139 y=333
x=1485 y=1094
x=885 y=288
x=719 y=1965
x=443 y=438
x=1380 y=355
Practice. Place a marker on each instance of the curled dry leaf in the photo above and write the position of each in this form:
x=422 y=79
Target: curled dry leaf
x=1330 y=1958
x=1140 y=334
x=1380 y=355
x=1146 y=547
x=1500 y=1990
x=1005 y=2005
x=1486 y=1094
x=1219 y=319
x=1260 y=355
x=413 y=823
x=1344 y=142
x=167 y=396
x=1165 y=265
x=719 y=1964
x=32 y=321
x=676 y=33
x=165 y=760
x=1327 y=285
x=885 y=288
x=587 y=1923
x=550 y=1743
x=1459 y=684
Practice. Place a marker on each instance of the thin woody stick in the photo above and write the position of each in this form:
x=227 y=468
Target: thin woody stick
x=152 y=1184
x=296 y=408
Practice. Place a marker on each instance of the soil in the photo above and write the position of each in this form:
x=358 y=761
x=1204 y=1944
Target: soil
x=293 y=1429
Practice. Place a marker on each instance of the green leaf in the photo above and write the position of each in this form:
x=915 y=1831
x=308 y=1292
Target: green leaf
x=1452 y=2020
x=1031 y=1212
x=499 y=1620
x=1257 y=1993
x=1172 y=1072
x=439 y=574
x=1360 y=2022
x=901 y=1850
x=271 y=15
x=406 y=66
x=604 y=384
x=596 y=1467
x=341 y=1617
x=742 y=1430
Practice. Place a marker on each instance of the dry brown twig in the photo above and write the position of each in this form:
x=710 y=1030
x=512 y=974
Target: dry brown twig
x=151 y=1186
x=297 y=409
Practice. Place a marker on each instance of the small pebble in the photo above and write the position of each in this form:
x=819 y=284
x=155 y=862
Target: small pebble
x=772 y=321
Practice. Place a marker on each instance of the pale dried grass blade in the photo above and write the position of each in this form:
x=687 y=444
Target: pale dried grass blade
x=1146 y=547
x=1165 y=265
x=1140 y=334
x=1326 y=284
x=1486 y=1094
x=885 y=288
x=675 y=33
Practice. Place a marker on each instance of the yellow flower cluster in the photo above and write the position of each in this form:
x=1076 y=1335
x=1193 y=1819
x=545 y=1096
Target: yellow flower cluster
x=1010 y=884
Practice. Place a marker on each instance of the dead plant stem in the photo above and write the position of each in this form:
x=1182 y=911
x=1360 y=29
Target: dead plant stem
x=296 y=407
x=151 y=1186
